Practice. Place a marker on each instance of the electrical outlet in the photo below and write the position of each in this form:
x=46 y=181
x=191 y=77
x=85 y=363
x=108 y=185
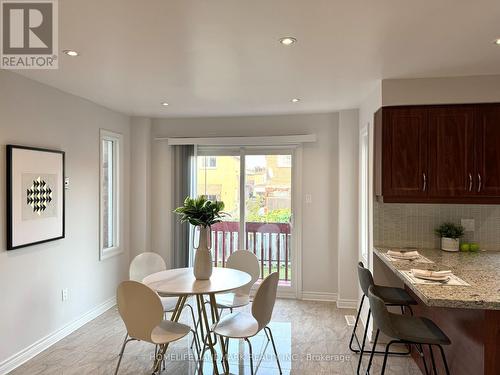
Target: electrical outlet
x=468 y=224
x=65 y=294
x=309 y=198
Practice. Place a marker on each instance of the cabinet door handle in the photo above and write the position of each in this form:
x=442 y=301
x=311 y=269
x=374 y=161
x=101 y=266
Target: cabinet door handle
x=480 y=182
x=425 y=182
x=470 y=181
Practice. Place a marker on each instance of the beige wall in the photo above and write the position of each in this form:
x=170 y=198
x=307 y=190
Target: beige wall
x=140 y=186
x=348 y=198
x=31 y=279
x=319 y=178
x=472 y=89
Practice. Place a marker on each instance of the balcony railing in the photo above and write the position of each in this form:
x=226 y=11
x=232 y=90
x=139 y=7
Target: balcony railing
x=270 y=242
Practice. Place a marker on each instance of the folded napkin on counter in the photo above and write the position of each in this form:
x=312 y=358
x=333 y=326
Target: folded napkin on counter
x=432 y=275
x=404 y=254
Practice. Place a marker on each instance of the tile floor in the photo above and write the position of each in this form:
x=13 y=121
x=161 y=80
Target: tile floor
x=311 y=337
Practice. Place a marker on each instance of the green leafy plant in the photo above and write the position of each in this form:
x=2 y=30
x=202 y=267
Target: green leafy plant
x=201 y=211
x=450 y=230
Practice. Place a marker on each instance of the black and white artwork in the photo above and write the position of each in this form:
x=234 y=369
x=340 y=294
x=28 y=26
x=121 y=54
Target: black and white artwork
x=35 y=196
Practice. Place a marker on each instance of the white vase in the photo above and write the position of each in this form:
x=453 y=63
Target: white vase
x=203 y=256
x=449 y=244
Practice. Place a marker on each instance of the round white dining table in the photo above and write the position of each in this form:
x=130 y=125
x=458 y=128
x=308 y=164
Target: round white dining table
x=181 y=282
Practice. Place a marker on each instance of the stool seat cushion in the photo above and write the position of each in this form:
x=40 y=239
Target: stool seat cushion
x=418 y=330
x=394 y=296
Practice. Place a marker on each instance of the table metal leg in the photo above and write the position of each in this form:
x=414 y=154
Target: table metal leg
x=163 y=348
x=211 y=344
x=216 y=316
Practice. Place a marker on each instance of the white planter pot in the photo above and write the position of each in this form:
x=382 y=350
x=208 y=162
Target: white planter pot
x=450 y=244
x=203 y=256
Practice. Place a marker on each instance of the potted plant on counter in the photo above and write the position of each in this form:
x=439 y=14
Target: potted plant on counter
x=450 y=234
x=202 y=213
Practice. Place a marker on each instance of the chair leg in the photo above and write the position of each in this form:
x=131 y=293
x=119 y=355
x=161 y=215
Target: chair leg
x=267 y=335
x=444 y=359
x=201 y=355
x=420 y=350
x=432 y=360
x=353 y=335
x=125 y=342
x=385 y=356
x=411 y=310
x=373 y=352
x=195 y=341
x=362 y=347
x=251 y=356
x=274 y=348
x=195 y=336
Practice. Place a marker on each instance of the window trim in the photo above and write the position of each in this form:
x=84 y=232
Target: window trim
x=294 y=290
x=116 y=138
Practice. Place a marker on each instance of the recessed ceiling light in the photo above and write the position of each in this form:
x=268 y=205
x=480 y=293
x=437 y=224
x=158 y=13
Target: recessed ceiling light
x=70 y=52
x=164 y=104
x=288 y=41
x=295 y=100
x=497 y=42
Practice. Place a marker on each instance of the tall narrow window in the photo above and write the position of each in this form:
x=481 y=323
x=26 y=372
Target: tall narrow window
x=109 y=192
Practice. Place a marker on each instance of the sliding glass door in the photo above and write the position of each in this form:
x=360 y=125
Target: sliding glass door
x=256 y=185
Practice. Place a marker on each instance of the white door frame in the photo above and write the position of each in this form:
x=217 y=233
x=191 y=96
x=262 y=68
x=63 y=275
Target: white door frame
x=295 y=289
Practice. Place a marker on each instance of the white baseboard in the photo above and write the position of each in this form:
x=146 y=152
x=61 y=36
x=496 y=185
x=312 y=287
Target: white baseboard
x=314 y=296
x=347 y=303
x=39 y=346
x=286 y=293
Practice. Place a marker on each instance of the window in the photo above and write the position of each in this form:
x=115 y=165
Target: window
x=110 y=168
x=255 y=184
x=209 y=162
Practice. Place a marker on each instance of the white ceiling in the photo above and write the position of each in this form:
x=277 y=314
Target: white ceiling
x=222 y=57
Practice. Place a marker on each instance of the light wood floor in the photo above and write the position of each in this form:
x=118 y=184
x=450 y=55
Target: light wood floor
x=312 y=338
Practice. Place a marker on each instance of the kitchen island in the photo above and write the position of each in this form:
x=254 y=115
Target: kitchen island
x=469 y=315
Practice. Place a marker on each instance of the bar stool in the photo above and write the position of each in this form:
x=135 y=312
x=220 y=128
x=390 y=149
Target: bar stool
x=405 y=329
x=390 y=295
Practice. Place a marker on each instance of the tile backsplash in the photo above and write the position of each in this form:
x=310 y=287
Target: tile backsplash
x=413 y=224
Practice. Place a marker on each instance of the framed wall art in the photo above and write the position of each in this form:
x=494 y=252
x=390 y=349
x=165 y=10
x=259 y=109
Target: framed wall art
x=35 y=196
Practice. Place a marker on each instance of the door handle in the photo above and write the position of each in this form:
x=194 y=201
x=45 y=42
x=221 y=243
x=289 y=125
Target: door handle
x=470 y=181
x=480 y=181
x=425 y=181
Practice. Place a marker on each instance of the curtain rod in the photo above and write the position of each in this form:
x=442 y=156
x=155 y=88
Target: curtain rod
x=254 y=141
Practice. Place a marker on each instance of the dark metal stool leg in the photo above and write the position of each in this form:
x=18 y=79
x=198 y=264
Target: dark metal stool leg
x=373 y=351
x=444 y=360
x=353 y=336
x=385 y=356
x=420 y=351
x=362 y=347
x=433 y=360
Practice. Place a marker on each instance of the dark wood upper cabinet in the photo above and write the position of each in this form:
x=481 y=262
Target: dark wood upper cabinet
x=487 y=173
x=405 y=145
x=438 y=154
x=451 y=151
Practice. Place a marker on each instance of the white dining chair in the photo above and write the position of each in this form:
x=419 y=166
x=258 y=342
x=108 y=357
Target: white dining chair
x=243 y=325
x=246 y=261
x=142 y=312
x=148 y=263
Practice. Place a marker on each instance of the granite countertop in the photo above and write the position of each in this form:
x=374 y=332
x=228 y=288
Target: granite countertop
x=481 y=270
